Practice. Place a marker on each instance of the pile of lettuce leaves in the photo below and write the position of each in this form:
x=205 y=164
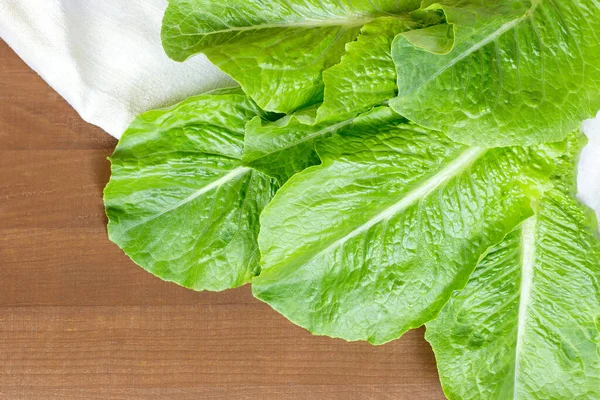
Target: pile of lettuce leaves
x=384 y=165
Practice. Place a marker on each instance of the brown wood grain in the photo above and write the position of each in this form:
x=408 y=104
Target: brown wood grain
x=78 y=320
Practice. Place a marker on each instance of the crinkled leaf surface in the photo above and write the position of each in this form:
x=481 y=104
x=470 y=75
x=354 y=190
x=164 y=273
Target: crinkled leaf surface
x=517 y=71
x=179 y=201
x=373 y=241
x=366 y=74
x=527 y=324
x=277 y=50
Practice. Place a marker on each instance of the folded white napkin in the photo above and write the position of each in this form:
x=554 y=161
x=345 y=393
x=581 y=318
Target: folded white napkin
x=105 y=58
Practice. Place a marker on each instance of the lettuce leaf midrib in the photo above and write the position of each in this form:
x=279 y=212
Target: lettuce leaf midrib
x=528 y=244
x=308 y=23
x=408 y=199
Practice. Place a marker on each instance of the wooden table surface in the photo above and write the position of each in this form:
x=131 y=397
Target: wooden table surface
x=78 y=320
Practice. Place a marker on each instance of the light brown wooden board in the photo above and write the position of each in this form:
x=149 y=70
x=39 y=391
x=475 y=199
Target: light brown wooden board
x=78 y=320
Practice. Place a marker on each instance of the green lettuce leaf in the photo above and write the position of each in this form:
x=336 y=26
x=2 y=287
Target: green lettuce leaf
x=179 y=201
x=527 y=325
x=366 y=74
x=372 y=242
x=276 y=50
x=513 y=72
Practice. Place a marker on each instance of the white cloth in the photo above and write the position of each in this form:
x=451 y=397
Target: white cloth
x=105 y=58
x=588 y=178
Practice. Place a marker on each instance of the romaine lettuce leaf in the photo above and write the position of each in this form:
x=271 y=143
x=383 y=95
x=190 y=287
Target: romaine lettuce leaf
x=527 y=325
x=366 y=74
x=179 y=201
x=372 y=242
x=513 y=72
x=276 y=50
